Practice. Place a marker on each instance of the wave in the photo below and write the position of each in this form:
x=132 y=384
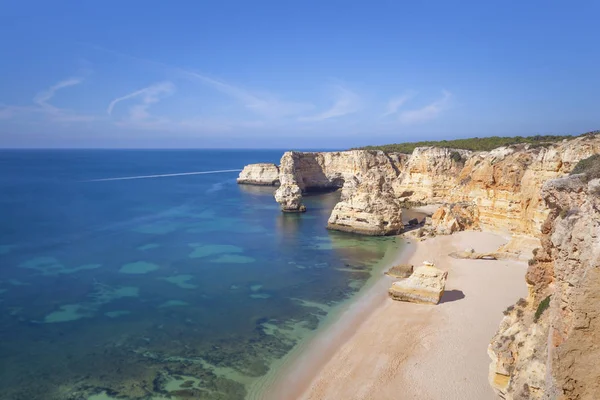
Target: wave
x=164 y=175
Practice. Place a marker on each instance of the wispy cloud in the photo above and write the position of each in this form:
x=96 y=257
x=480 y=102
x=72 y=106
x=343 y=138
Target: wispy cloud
x=138 y=113
x=266 y=105
x=42 y=98
x=396 y=103
x=42 y=105
x=346 y=102
x=8 y=112
x=427 y=112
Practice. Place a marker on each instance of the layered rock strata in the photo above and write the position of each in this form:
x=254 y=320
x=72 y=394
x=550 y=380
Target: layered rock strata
x=455 y=217
x=503 y=185
x=367 y=204
x=547 y=346
x=263 y=174
x=425 y=286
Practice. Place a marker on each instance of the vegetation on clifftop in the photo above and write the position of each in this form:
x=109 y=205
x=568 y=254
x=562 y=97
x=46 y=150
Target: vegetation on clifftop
x=589 y=166
x=474 y=144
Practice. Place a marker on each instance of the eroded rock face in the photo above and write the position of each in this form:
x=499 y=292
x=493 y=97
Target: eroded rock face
x=455 y=217
x=367 y=204
x=547 y=346
x=425 y=285
x=289 y=197
x=504 y=183
x=263 y=174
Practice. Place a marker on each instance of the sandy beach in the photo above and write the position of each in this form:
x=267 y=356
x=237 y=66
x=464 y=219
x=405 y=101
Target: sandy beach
x=384 y=349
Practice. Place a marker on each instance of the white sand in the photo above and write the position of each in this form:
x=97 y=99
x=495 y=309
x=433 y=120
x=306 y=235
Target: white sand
x=409 y=351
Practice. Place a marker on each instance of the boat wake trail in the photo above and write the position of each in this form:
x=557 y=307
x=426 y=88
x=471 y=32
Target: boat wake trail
x=164 y=175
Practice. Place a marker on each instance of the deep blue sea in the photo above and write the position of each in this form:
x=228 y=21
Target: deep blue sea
x=178 y=287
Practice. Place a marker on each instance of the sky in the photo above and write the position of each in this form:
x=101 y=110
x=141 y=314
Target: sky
x=294 y=74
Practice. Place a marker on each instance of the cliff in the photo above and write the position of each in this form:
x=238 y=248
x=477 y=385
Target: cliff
x=263 y=174
x=367 y=203
x=503 y=184
x=548 y=345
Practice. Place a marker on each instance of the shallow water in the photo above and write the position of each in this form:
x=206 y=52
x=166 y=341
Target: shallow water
x=174 y=287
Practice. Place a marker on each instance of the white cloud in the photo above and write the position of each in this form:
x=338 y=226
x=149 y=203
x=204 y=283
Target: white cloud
x=146 y=97
x=266 y=105
x=346 y=102
x=397 y=102
x=42 y=98
x=8 y=112
x=42 y=105
x=427 y=112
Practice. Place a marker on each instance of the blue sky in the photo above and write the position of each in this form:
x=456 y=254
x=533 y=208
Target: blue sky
x=302 y=74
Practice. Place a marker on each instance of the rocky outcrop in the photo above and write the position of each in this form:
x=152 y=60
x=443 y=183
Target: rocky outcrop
x=367 y=204
x=425 y=285
x=289 y=197
x=503 y=185
x=263 y=174
x=455 y=217
x=547 y=346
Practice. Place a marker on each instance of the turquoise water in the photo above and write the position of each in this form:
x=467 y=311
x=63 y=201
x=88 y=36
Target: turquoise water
x=180 y=287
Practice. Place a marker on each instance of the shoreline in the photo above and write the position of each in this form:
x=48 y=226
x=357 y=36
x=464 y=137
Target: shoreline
x=292 y=373
x=379 y=348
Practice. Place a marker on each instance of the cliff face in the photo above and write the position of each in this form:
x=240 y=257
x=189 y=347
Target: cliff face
x=503 y=184
x=548 y=345
x=263 y=174
x=367 y=205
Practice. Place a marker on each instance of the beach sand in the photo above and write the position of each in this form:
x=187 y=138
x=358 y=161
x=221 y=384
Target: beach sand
x=384 y=349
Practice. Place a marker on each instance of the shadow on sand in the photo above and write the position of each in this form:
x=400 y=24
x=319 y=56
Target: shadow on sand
x=452 y=295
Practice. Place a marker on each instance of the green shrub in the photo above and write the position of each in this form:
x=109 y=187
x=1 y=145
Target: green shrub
x=473 y=144
x=456 y=157
x=589 y=166
x=544 y=304
x=531 y=261
x=508 y=310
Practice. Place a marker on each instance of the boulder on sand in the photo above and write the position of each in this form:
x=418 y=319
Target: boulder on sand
x=426 y=286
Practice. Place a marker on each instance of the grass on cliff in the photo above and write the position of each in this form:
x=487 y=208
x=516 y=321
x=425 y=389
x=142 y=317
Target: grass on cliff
x=476 y=143
x=589 y=166
x=543 y=306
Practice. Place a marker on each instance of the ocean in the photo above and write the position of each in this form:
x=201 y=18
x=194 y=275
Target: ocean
x=160 y=287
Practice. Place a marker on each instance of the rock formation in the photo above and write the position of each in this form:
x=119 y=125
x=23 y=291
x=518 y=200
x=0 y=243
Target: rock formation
x=547 y=346
x=425 y=285
x=503 y=185
x=264 y=174
x=455 y=217
x=367 y=203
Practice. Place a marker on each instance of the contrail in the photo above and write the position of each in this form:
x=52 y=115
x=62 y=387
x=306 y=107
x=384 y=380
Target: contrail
x=165 y=175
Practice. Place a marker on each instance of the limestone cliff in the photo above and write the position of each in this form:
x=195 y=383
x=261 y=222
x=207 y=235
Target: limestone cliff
x=503 y=185
x=264 y=174
x=548 y=345
x=367 y=203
